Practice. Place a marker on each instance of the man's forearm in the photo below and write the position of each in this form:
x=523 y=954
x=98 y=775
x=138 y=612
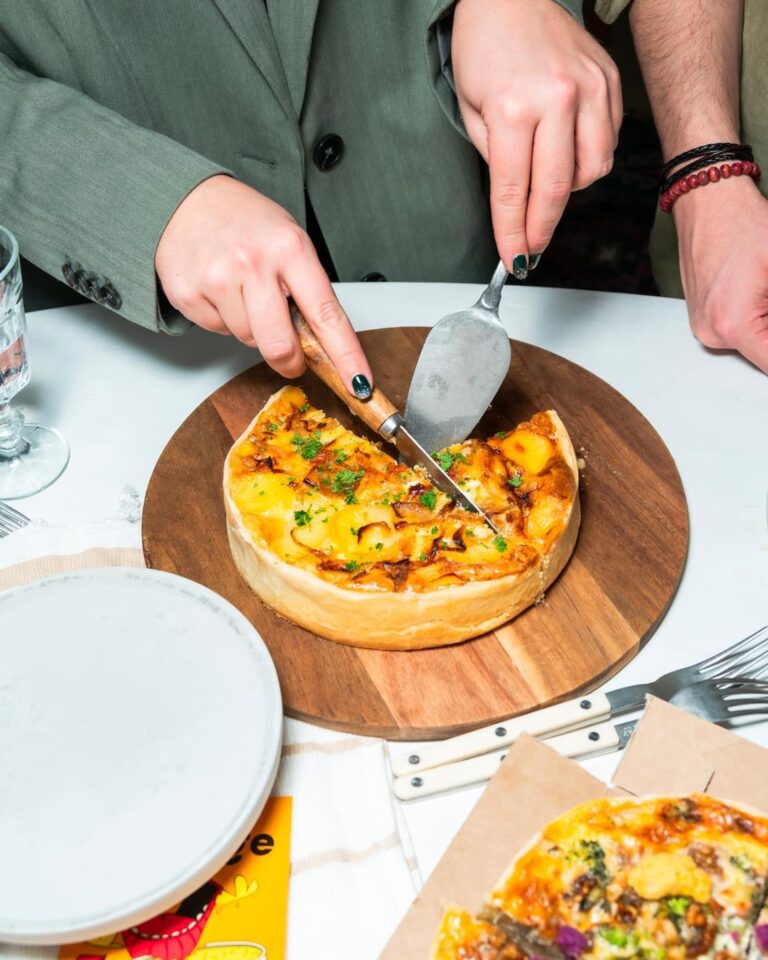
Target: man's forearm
x=690 y=55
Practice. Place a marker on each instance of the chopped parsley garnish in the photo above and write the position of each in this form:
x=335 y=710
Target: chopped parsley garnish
x=742 y=862
x=349 y=497
x=385 y=501
x=303 y=408
x=502 y=434
x=345 y=481
x=379 y=546
x=423 y=557
x=271 y=427
x=445 y=545
x=468 y=532
x=500 y=543
x=354 y=531
x=340 y=457
x=428 y=498
x=433 y=531
x=461 y=458
x=444 y=458
x=302 y=518
x=351 y=565
x=515 y=481
x=308 y=447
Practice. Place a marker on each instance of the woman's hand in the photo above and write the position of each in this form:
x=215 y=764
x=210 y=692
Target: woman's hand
x=228 y=260
x=722 y=232
x=541 y=101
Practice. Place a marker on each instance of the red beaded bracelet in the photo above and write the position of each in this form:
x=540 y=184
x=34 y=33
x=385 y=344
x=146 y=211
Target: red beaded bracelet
x=712 y=174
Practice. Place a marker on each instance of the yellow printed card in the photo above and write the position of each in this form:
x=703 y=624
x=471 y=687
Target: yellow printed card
x=238 y=915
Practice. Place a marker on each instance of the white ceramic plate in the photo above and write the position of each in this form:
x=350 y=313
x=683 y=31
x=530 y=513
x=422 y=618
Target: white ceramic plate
x=140 y=734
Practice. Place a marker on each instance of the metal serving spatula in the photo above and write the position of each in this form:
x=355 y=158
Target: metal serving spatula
x=461 y=366
x=381 y=415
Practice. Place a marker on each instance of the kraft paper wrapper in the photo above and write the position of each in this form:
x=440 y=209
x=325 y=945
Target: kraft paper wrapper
x=671 y=752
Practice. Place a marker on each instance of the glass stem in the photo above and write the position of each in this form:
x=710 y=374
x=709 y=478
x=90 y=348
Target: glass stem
x=12 y=444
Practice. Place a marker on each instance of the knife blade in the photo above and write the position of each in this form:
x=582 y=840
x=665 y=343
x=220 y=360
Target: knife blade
x=381 y=415
x=559 y=718
x=583 y=743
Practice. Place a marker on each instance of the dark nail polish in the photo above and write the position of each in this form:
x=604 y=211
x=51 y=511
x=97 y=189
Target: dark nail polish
x=534 y=261
x=520 y=267
x=362 y=387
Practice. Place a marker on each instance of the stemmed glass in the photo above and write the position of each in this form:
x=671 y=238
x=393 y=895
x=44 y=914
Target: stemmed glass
x=31 y=456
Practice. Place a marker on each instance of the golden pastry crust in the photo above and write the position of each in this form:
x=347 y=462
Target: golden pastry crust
x=334 y=534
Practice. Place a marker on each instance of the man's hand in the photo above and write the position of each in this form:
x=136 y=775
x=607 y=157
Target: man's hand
x=723 y=237
x=228 y=260
x=541 y=101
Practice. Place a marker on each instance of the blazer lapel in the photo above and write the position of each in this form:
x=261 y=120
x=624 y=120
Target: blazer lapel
x=293 y=23
x=250 y=22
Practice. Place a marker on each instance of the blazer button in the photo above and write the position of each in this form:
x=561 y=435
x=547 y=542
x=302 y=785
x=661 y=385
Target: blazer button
x=109 y=296
x=328 y=151
x=373 y=277
x=89 y=286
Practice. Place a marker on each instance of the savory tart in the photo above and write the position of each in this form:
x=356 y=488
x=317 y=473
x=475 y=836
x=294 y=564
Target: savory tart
x=617 y=879
x=333 y=533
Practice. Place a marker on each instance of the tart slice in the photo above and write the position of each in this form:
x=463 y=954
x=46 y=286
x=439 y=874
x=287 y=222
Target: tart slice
x=333 y=533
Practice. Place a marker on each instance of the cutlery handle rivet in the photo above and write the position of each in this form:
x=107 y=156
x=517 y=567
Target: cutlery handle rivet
x=414 y=759
x=416 y=782
x=594 y=735
x=585 y=704
x=500 y=731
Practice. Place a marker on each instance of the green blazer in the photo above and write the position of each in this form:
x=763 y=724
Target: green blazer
x=112 y=111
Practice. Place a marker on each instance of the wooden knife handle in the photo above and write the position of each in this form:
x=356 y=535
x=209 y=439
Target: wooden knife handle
x=372 y=412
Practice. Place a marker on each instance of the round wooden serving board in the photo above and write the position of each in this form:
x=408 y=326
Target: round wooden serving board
x=617 y=586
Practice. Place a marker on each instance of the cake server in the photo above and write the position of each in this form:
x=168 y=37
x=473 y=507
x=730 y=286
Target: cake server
x=460 y=368
x=381 y=415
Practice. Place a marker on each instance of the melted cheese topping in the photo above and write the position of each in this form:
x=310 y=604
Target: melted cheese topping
x=326 y=500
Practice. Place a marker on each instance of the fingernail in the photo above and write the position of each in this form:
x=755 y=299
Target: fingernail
x=520 y=267
x=362 y=387
x=534 y=261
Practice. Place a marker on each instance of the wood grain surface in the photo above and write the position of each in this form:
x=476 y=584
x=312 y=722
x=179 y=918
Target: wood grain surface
x=609 y=599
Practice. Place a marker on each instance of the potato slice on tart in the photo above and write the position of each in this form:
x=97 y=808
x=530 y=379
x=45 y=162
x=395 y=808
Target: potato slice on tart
x=334 y=534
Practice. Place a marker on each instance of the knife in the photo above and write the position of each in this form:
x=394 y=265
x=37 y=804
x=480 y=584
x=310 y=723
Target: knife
x=587 y=742
x=381 y=415
x=561 y=717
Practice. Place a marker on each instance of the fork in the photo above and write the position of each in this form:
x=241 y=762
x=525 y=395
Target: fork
x=742 y=658
x=10 y=519
x=727 y=701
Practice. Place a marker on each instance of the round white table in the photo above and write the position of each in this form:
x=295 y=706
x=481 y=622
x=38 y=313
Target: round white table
x=118 y=393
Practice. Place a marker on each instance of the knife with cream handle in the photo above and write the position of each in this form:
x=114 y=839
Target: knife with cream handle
x=586 y=742
x=559 y=718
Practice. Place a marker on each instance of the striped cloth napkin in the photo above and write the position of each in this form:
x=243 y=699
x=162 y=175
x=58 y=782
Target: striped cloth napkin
x=353 y=873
